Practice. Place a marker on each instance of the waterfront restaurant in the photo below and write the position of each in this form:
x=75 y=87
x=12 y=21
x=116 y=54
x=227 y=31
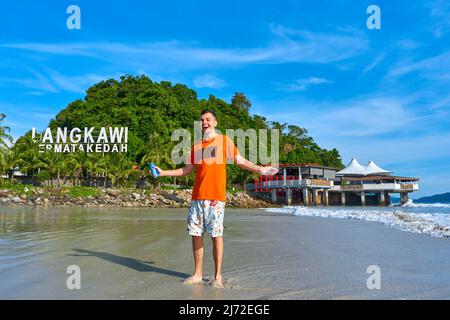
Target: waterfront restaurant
x=313 y=184
x=362 y=185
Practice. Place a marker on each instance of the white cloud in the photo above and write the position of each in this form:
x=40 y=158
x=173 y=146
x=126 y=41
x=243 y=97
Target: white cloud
x=431 y=184
x=77 y=84
x=22 y=117
x=440 y=103
x=398 y=150
x=287 y=45
x=433 y=68
x=378 y=59
x=302 y=84
x=360 y=117
x=37 y=81
x=35 y=93
x=408 y=44
x=440 y=16
x=209 y=81
x=53 y=81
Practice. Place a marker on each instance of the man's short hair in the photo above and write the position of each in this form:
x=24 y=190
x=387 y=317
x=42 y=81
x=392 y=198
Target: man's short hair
x=209 y=111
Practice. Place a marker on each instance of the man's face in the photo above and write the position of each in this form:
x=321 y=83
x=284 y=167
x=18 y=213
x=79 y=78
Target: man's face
x=209 y=123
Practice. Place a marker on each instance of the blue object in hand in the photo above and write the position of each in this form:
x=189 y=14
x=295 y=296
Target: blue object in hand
x=153 y=170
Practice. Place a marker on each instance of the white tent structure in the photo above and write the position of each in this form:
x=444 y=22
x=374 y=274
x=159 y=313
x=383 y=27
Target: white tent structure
x=356 y=169
x=372 y=169
x=353 y=169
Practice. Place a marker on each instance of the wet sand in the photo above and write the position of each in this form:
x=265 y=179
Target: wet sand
x=146 y=253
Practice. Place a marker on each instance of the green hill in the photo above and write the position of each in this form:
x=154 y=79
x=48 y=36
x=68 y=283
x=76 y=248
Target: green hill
x=152 y=110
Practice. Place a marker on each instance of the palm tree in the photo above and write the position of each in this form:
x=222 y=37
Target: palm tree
x=4 y=136
x=3 y=152
x=73 y=166
x=52 y=162
x=89 y=162
x=104 y=165
x=99 y=167
x=4 y=149
x=156 y=150
x=11 y=161
x=64 y=167
x=119 y=169
x=30 y=159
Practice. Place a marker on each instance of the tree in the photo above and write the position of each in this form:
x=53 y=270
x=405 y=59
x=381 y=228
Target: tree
x=12 y=159
x=4 y=166
x=29 y=159
x=240 y=102
x=152 y=111
x=158 y=151
x=4 y=136
x=52 y=162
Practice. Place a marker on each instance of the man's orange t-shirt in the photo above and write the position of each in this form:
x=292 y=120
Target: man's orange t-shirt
x=210 y=160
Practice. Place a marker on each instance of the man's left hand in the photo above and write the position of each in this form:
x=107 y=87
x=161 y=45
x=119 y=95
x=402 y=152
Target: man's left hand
x=268 y=171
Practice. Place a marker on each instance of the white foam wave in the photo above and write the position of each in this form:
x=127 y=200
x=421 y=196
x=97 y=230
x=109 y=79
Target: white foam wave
x=411 y=204
x=434 y=224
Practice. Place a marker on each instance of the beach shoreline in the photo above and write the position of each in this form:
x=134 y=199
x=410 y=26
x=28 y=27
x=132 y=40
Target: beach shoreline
x=134 y=253
x=110 y=198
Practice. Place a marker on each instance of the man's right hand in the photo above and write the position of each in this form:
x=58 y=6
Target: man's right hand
x=160 y=172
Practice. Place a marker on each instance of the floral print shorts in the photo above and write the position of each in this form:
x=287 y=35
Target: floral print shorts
x=206 y=215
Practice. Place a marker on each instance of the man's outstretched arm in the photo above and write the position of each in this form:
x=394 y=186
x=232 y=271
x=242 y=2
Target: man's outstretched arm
x=250 y=166
x=177 y=172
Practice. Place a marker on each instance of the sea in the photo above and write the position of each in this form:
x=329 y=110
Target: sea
x=432 y=218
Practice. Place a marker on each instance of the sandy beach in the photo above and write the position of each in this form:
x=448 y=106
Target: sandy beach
x=146 y=253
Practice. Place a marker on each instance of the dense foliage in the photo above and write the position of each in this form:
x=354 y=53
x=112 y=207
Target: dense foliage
x=151 y=111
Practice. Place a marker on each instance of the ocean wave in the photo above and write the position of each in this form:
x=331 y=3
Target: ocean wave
x=434 y=224
x=411 y=204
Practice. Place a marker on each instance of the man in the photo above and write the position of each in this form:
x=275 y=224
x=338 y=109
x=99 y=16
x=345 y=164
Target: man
x=209 y=158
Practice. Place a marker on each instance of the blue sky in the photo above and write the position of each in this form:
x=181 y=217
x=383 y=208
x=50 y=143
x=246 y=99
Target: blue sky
x=379 y=95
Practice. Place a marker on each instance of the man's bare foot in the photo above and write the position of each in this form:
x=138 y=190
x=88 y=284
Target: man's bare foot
x=217 y=283
x=193 y=280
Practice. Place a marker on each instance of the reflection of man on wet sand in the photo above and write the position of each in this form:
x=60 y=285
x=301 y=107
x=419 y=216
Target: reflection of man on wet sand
x=207 y=208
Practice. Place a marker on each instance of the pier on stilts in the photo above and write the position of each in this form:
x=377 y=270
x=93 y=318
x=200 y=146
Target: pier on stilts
x=311 y=184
